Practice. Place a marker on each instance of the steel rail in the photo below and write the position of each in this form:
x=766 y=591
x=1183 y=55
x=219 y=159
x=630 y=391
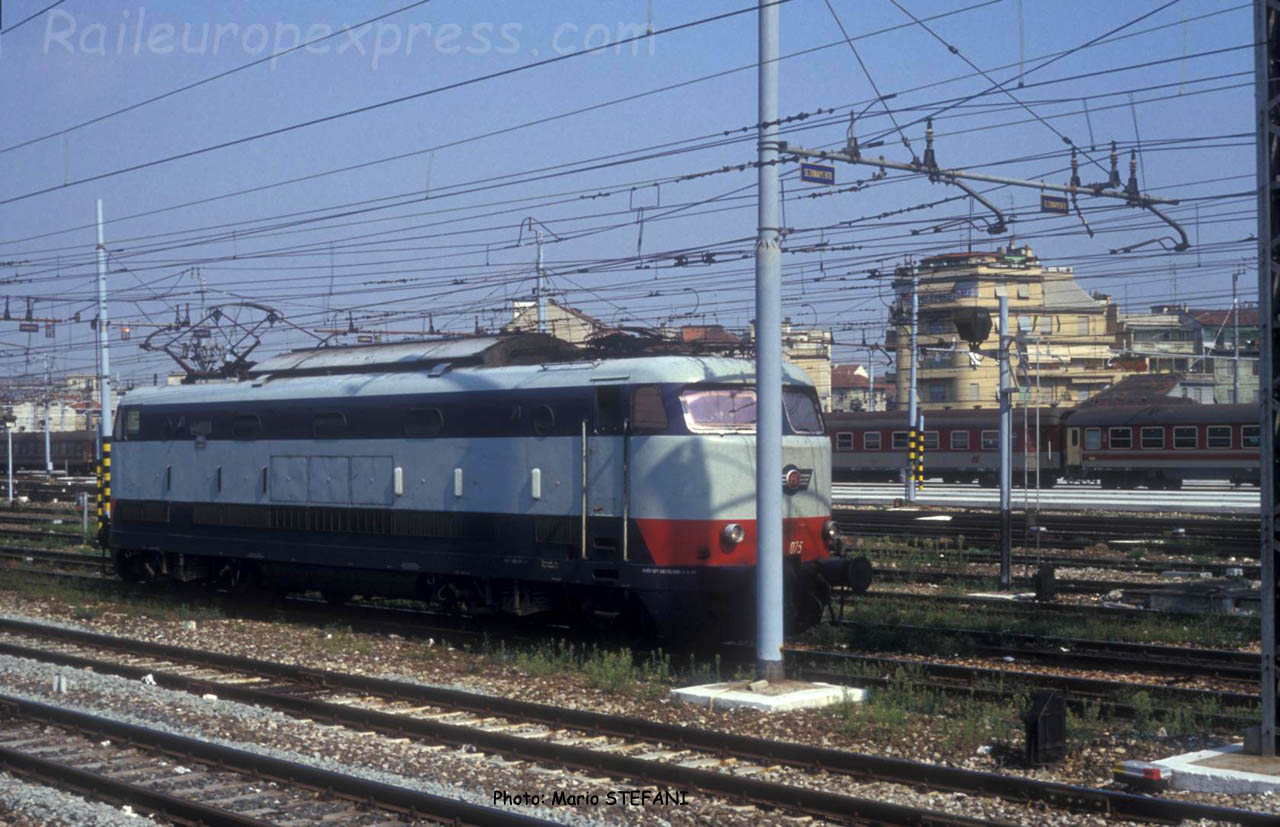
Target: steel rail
x=955 y=557
x=113 y=791
x=1137 y=657
x=1095 y=688
x=999 y=605
x=869 y=767
x=386 y=796
x=1064 y=586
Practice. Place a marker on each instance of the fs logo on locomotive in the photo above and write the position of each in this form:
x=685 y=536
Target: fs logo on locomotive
x=795 y=479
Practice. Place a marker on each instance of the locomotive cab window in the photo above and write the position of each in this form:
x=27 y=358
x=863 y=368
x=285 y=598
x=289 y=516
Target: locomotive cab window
x=329 y=425
x=1219 y=436
x=719 y=409
x=900 y=440
x=991 y=440
x=1186 y=436
x=423 y=422
x=648 y=414
x=1121 y=438
x=871 y=441
x=959 y=440
x=844 y=441
x=1153 y=437
x=801 y=408
x=1250 y=436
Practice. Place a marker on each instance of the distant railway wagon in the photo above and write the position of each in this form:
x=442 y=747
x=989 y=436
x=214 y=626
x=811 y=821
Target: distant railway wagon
x=74 y=452
x=959 y=446
x=508 y=474
x=1157 y=446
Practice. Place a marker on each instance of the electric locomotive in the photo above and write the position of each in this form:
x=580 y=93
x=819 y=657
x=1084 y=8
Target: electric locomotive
x=509 y=473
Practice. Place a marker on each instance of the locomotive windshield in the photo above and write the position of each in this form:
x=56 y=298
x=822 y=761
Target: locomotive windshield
x=734 y=409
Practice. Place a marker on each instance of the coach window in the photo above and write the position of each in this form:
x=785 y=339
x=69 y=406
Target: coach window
x=844 y=441
x=1093 y=439
x=899 y=440
x=544 y=419
x=1153 y=437
x=931 y=440
x=423 y=422
x=245 y=426
x=1121 y=438
x=991 y=440
x=648 y=413
x=1249 y=437
x=959 y=440
x=1219 y=436
x=871 y=441
x=329 y=425
x=1186 y=436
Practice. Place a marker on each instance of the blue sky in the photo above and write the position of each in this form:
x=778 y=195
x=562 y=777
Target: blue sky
x=434 y=235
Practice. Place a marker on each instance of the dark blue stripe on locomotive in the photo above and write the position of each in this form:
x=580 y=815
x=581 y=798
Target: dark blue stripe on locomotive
x=463 y=414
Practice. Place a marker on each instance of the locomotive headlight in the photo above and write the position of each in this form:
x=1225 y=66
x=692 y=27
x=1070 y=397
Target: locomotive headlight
x=830 y=534
x=732 y=534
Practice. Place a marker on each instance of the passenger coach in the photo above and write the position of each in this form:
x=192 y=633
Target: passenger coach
x=508 y=473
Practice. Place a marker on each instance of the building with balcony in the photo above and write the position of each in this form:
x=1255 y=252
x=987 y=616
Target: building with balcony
x=1064 y=336
x=1200 y=345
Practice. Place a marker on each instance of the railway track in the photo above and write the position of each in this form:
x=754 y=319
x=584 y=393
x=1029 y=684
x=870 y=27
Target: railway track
x=1083 y=653
x=981 y=580
x=1221 y=536
x=56 y=559
x=1140 y=566
x=295 y=690
x=125 y=763
x=1003 y=606
x=848 y=668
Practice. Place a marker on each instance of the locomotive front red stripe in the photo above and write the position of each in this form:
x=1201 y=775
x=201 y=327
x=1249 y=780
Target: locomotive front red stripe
x=701 y=543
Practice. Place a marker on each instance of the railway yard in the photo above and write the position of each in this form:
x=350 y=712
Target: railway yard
x=245 y=708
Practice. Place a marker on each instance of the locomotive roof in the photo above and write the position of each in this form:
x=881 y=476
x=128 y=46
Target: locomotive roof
x=953 y=418
x=1166 y=415
x=444 y=377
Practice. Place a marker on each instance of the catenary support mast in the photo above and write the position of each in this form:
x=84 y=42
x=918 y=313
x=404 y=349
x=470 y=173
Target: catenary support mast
x=768 y=365
x=1267 y=91
x=104 y=378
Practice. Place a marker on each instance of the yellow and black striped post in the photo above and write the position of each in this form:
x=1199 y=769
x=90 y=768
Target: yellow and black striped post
x=912 y=435
x=104 y=492
x=919 y=465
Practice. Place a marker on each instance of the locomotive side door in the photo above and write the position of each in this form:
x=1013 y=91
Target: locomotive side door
x=605 y=463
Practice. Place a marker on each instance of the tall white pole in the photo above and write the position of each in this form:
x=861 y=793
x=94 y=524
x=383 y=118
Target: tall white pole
x=911 y=388
x=48 y=390
x=541 y=297
x=1006 y=450
x=768 y=364
x=871 y=383
x=1235 y=339
x=8 y=428
x=104 y=342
